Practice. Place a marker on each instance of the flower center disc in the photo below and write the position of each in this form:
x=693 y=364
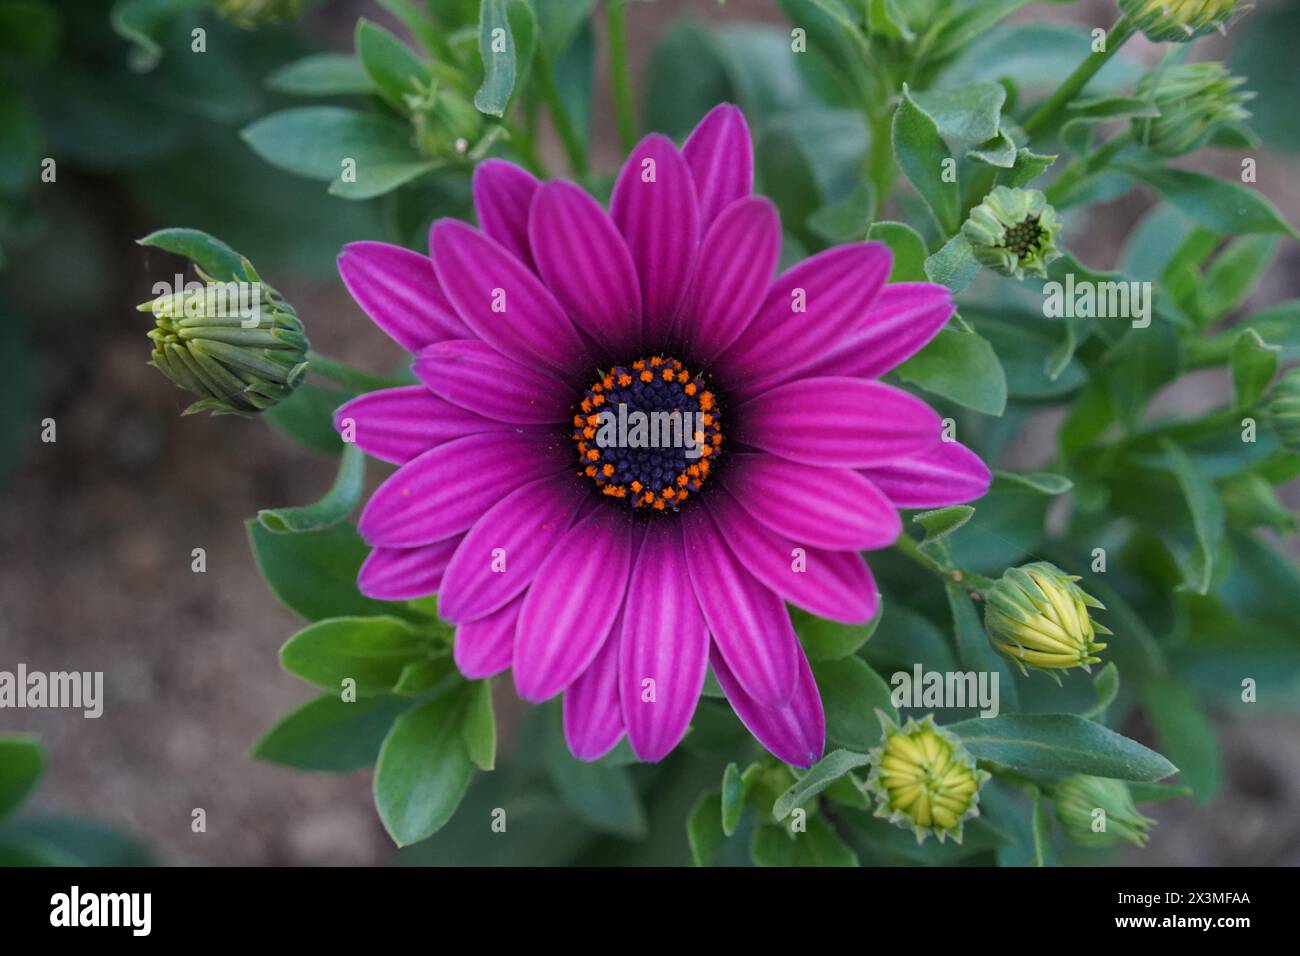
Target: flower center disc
x=1023 y=237
x=648 y=433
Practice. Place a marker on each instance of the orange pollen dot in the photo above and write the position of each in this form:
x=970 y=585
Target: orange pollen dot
x=647 y=376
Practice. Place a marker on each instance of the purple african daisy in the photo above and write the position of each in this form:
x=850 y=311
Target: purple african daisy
x=616 y=572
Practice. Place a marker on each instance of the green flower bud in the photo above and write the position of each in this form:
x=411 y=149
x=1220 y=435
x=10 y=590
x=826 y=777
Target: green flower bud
x=1284 y=410
x=447 y=124
x=1013 y=232
x=1038 y=616
x=924 y=779
x=237 y=345
x=1178 y=20
x=251 y=14
x=1099 y=812
x=1193 y=99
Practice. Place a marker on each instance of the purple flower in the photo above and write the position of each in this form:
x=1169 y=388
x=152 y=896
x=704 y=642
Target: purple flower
x=616 y=572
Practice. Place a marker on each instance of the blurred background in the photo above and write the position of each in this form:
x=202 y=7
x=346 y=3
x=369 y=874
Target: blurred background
x=97 y=528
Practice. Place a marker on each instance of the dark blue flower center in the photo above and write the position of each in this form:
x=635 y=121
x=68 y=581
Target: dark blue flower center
x=648 y=433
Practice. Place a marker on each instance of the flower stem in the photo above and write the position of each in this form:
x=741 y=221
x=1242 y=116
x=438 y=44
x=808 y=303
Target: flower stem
x=1082 y=168
x=340 y=373
x=969 y=580
x=574 y=148
x=616 y=28
x=1047 y=110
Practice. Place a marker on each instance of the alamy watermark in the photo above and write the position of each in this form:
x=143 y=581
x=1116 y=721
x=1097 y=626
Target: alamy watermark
x=76 y=690
x=193 y=299
x=1086 y=299
x=938 y=689
x=631 y=428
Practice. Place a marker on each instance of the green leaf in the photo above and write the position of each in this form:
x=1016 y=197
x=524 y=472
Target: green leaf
x=786 y=177
x=431 y=675
x=704 y=829
x=686 y=78
x=314 y=573
x=907 y=248
x=21 y=767
x=920 y=150
x=559 y=22
x=1059 y=743
x=960 y=366
x=324 y=142
x=207 y=252
x=507 y=36
x=965 y=116
x=329 y=734
x=1027 y=167
x=820 y=776
x=848 y=220
x=942 y=522
x=1043 y=482
x=1253 y=363
x=953 y=265
x=771 y=846
x=333 y=508
x=424 y=770
x=602 y=797
x=394 y=70
x=322 y=74
x=826 y=640
x=819 y=845
x=1217 y=204
x=144 y=23
x=734 y=793
x=373 y=651
x=481 y=726
x=974 y=649
x=1208 y=515
x=1042 y=828
x=1106 y=686
x=307 y=416
x=1184 y=732
x=1157 y=792
x=1232 y=276
x=851 y=693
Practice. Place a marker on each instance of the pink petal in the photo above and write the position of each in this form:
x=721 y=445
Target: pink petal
x=399 y=290
x=593 y=716
x=396 y=424
x=476 y=376
x=404 y=574
x=721 y=156
x=572 y=603
x=445 y=490
x=502 y=301
x=748 y=622
x=839 y=422
x=948 y=474
x=735 y=269
x=660 y=220
x=504 y=549
x=665 y=642
x=583 y=259
x=502 y=194
x=833 y=584
x=904 y=317
x=484 y=648
x=826 y=507
x=795 y=732
x=808 y=311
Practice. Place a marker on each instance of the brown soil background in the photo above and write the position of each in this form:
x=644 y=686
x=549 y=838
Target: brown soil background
x=97 y=531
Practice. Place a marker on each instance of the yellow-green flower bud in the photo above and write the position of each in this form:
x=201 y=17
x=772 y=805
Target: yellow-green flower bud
x=446 y=123
x=1179 y=20
x=1013 y=232
x=237 y=345
x=1284 y=410
x=1193 y=99
x=251 y=14
x=1038 y=616
x=924 y=779
x=1099 y=812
